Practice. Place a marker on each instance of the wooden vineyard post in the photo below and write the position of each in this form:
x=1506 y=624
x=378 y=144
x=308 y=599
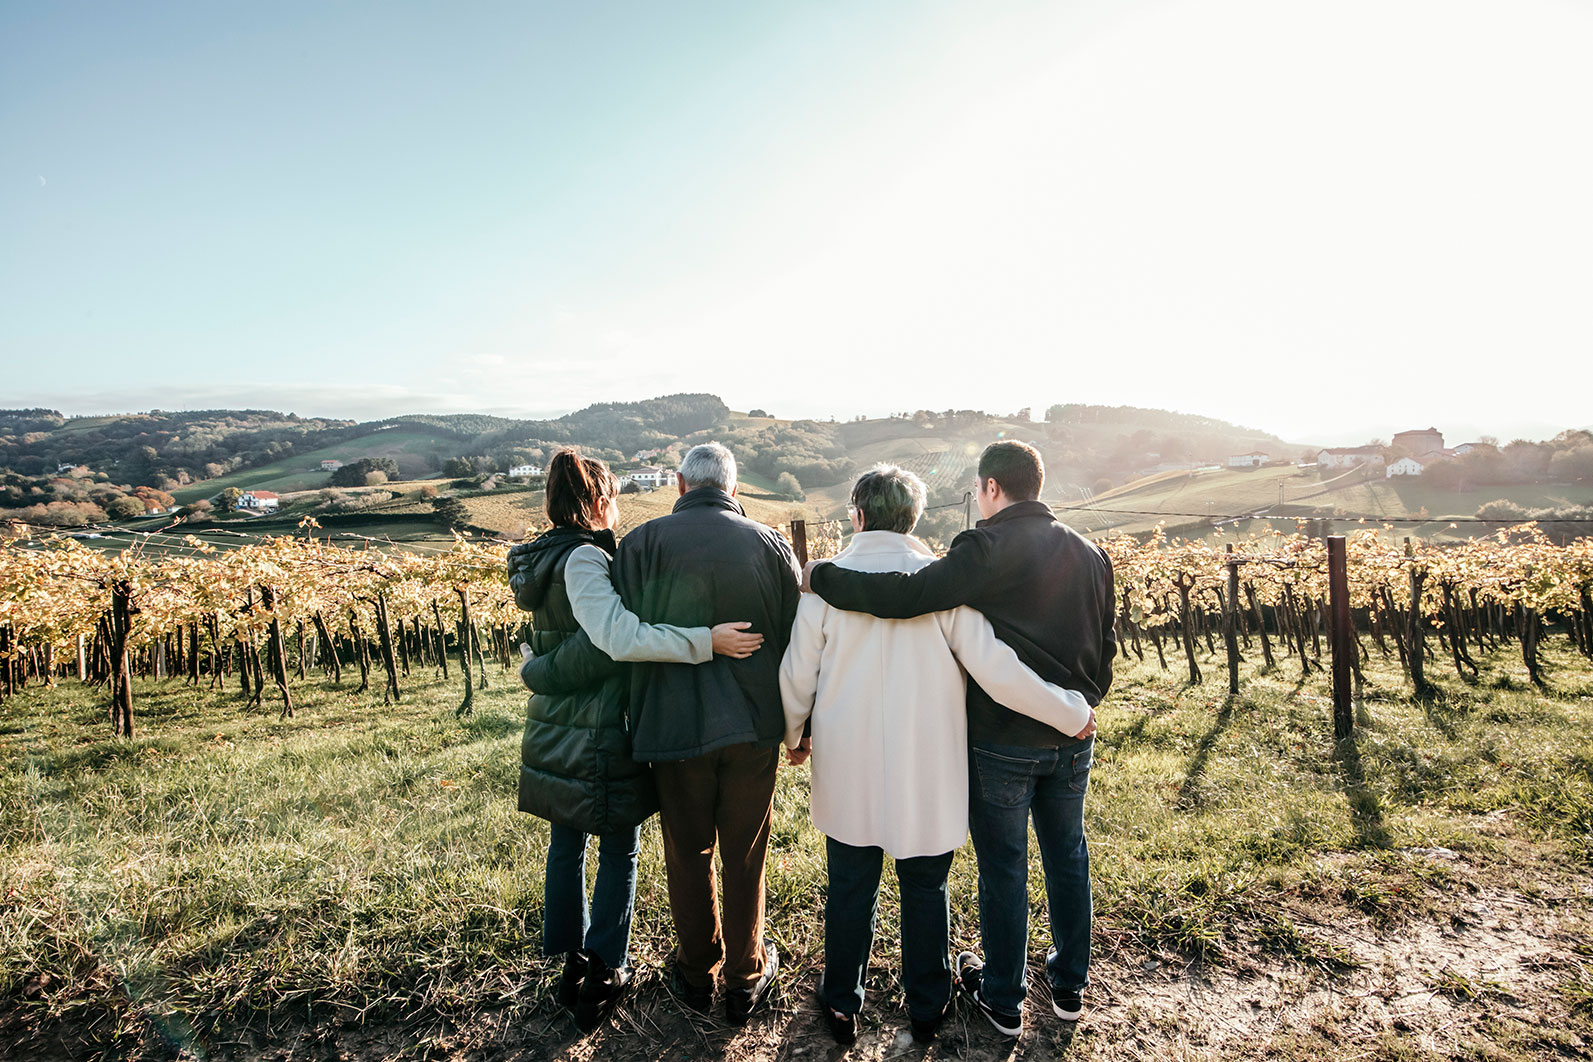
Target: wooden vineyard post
x=1230 y=621
x=1343 y=636
x=799 y=540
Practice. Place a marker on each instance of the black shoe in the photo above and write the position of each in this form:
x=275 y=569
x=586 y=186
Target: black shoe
x=599 y=992
x=925 y=1029
x=740 y=1002
x=576 y=963
x=842 y=1026
x=1069 y=1006
x=698 y=999
x=970 y=972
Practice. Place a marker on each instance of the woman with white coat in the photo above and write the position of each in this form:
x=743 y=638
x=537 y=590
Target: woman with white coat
x=884 y=701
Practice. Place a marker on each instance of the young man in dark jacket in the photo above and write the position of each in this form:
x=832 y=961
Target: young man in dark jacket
x=712 y=732
x=1047 y=591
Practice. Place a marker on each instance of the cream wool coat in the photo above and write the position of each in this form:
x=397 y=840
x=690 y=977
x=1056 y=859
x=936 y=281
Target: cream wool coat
x=886 y=700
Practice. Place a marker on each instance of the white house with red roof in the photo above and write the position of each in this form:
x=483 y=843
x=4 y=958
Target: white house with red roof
x=260 y=501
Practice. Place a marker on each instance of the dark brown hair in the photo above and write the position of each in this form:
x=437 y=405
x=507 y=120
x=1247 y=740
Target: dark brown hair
x=575 y=486
x=1016 y=466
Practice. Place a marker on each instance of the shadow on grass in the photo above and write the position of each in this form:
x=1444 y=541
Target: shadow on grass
x=1366 y=814
x=1189 y=791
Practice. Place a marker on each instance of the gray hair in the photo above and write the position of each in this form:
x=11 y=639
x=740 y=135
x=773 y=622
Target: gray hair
x=709 y=465
x=890 y=499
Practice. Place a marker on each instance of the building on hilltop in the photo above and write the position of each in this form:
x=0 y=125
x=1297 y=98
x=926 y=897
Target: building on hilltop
x=1351 y=457
x=525 y=471
x=652 y=477
x=1405 y=466
x=1470 y=447
x=1418 y=442
x=331 y=464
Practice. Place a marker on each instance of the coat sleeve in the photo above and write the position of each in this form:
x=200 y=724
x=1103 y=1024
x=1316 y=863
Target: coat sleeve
x=800 y=667
x=1010 y=682
x=1103 y=670
x=574 y=664
x=944 y=584
x=616 y=630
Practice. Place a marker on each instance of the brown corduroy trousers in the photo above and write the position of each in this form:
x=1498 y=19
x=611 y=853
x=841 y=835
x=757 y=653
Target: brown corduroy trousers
x=725 y=796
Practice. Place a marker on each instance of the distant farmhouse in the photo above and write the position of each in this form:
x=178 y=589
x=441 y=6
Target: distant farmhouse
x=260 y=501
x=1253 y=459
x=1351 y=457
x=1405 y=466
x=1473 y=447
x=331 y=464
x=652 y=477
x=645 y=455
x=525 y=471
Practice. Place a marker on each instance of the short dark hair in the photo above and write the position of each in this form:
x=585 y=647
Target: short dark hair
x=1016 y=466
x=575 y=486
x=890 y=499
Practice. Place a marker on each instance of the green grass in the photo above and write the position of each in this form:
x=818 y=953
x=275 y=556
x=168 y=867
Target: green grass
x=226 y=869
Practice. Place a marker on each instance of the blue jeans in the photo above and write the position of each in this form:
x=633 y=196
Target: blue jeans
x=567 y=923
x=851 y=907
x=1006 y=785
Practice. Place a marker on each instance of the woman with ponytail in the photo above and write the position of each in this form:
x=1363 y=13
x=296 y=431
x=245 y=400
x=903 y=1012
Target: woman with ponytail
x=576 y=768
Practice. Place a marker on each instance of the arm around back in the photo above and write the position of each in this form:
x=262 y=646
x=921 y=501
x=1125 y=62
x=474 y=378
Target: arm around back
x=574 y=664
x=1008 y=681
x=946 y=583
x=615 y=629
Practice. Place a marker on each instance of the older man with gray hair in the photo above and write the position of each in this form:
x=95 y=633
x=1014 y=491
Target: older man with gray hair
x=886 y=703
x=712 y=731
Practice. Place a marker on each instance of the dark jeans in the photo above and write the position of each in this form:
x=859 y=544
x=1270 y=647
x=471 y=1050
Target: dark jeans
x=567 y=922
x=722 y=799
x=1006 y=785
x=850 y=910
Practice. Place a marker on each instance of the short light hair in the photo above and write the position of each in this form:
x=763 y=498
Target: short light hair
x=709 y=465
x=890 y=499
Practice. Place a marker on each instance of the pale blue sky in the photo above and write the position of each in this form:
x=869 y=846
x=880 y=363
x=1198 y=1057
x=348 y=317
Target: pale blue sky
x=1330 y=220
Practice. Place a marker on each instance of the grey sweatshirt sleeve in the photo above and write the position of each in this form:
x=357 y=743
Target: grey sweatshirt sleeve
x=616 y=630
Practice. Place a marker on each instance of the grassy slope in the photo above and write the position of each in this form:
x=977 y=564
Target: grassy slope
x=303 y=471
x=228 y=868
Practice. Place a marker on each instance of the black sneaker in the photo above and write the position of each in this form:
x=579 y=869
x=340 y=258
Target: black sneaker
x=698 y=999
x=599 y=992
x=1069 y=1005
x=970 y=971
x=925 y=1029
x=740 y=1002
x=568 y=992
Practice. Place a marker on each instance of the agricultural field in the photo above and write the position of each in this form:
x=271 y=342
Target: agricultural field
x=355 y=883
x=1189 y=502
x=302 y=471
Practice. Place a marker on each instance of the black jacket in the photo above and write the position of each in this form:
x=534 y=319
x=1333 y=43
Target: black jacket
x=707 y=563
x=576 y=767
x=1045 y=588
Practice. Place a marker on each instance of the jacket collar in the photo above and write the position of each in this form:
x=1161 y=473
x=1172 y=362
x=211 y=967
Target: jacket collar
x=708 y=498
x=884 y=542
x=1018 y=510
x=555 y=537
